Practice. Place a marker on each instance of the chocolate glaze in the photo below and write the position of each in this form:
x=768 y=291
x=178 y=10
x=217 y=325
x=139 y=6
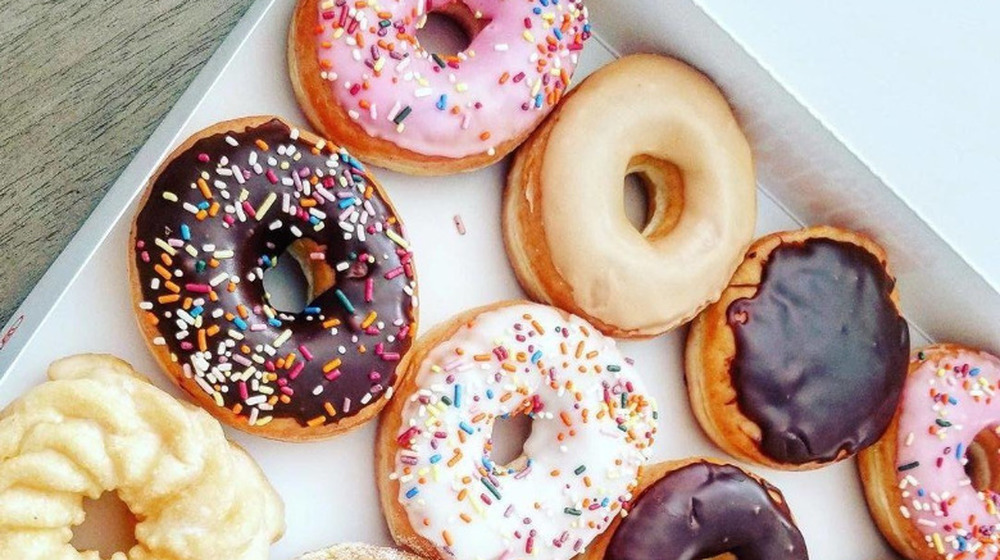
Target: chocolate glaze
x=821 y=351
x=368 y=364
x=703 y=510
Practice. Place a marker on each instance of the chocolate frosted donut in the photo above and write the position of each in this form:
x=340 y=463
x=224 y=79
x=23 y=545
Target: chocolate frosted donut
x=697 y=509
x=215 y=217
x=802 y=361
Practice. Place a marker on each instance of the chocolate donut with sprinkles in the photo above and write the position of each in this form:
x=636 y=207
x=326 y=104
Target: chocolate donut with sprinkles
x=442 y=492
x=214 y=218
x=362 y=76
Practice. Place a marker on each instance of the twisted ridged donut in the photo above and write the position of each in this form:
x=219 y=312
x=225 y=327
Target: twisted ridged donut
x=98 y=426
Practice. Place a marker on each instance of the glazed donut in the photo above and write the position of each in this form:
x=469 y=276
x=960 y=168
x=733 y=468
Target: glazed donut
x=217 y=215
x=702 y=508
x=362 y=77
x=801 y=362
x=358 y=551
x=97 y=426
x=442 y=494
x=565 y=227
x=917 y=477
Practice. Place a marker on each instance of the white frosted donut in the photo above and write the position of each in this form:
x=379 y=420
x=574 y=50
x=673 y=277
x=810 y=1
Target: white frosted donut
x=592 y=426
x=567 y=233
x=96 y=427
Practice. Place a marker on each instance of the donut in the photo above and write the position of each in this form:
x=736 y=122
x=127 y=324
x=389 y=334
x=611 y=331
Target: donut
x=214 y=218
x=566 y=231
x=702 y=508
x=930 y=482
x=362 y=77
x=358 y=551
x=592 y=426
x=802 y=360
x=97 y=427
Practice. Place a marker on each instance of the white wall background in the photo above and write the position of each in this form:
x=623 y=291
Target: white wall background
x=912 y=87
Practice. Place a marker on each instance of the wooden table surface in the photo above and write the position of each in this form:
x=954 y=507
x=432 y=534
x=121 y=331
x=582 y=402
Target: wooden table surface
x=82 y=86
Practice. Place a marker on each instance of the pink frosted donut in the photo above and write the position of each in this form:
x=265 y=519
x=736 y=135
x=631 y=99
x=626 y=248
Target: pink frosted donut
x=363 y=79
x=916 y=481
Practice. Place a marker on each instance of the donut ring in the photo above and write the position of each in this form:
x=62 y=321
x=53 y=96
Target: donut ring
x=443 y=496
x=358 y=551
x=216 y=215
x=97 y=426
x=702 y=508
x=565 y=227
x=801 y=362
x=362 y=78
x=915 y=477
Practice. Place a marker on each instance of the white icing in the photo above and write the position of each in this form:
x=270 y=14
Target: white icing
x=552 y=511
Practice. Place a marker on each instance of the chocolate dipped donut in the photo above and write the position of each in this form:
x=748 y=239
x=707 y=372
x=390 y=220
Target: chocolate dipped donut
x=803 y=359
x=700 y=508
x=217 y=215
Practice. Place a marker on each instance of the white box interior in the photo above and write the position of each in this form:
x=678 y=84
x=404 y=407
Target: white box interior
x=805 y=166
x=806 y=176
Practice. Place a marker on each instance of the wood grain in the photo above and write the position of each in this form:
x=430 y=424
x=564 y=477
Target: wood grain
x=83 y=83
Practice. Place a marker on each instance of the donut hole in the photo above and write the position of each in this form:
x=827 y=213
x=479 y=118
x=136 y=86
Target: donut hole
x=653 y=196
x=296 y=276
x=507 y=440
x=108 y=527
x=637 y=203
x=449 y=29
x=983 y=460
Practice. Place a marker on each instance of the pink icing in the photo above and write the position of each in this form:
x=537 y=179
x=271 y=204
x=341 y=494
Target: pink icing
x=510 y=77
x=945 y=404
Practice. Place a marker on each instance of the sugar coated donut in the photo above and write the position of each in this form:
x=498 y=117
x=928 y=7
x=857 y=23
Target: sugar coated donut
x=217 y=215
x=592 y=426
x=98 y=427
x=802 y=360
x=701 y=508
x=565 y=227
x=362 y=77
x=358 y=551
x=917 y=477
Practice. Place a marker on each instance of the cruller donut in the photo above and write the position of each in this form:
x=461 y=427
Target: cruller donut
x=702 y=508
x=214 y=218
x=592 y=426
x=931 y=480
x=802 y=360
x=363 y=78
x=98 y=427
x=565 y=227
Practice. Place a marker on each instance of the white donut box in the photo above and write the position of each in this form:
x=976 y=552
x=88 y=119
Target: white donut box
x=807 y=175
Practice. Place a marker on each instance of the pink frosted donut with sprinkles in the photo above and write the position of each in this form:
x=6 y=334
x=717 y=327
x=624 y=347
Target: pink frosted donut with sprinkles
x=215 y=217
x=592 y=425
x=931 y=481
x=362 y=77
